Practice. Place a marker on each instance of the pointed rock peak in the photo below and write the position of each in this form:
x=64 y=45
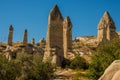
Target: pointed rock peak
x=105 y=21
x=68 y=19
x=55 y=13
x=107 y=16
x=11 y=27
x=55 y=7
x=25 y=30
x=106 y=13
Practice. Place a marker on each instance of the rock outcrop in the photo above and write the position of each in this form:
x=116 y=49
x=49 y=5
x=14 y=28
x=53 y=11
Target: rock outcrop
x=59 y=37
x=33 y=41
x=106 y=28
x=10 y=35
x=112 y=72
x=54 y=40
x=25 y=38
x=67 y=36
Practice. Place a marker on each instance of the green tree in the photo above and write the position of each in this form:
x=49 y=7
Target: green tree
x=8 y=69
x=103 y=57
x=32 y=67
x=79 y=63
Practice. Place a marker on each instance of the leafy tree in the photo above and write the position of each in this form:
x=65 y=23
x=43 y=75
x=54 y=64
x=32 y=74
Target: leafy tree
x=8 y=69
x=103 y=57
x=66 y=63
x=79 y=63
x=25 y=67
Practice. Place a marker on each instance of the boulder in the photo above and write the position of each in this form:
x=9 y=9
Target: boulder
x=112 y=72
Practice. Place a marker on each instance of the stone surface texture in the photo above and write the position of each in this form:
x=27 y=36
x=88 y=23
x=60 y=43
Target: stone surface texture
x=106 y=28
x=67 y=36
x=57 y=35
x=112 y=72
x=10 y=35
x=25 y=38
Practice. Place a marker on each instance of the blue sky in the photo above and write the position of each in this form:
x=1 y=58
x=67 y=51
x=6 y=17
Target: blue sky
x=33 y=16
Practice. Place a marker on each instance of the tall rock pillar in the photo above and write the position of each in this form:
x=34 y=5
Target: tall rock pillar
x=25 y=38
x=67 y=36
x=10 y=35
x=106 y=28
x=33 y=41
x=54 y=40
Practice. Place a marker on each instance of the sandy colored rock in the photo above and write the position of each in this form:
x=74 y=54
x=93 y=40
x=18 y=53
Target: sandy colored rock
x=106 y=28
x=112 y=72
x=10 y=35
x=33 y=41
x=67 y=36
x=54 y=40
x=42 y=43
x=25 y=38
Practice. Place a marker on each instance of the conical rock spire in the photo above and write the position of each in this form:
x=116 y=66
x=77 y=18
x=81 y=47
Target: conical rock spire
x=67 y=21
x=105 y=21
x=55 y=14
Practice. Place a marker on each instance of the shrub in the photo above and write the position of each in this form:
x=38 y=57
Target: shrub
x=66 y=63
x=103 y=57
x=25 y=67
x=79 y=63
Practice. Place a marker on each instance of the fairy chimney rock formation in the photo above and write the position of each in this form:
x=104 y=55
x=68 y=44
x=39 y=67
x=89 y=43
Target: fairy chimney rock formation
x=33 y=41
x=10 y=35
x=54 y=40
x=25 y=39
x=42 y=43
x=67 y=36
x=106 y=28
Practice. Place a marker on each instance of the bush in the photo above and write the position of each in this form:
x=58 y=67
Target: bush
x=66 y=63
x=79 y=63
x=33 y=68
x=103 y=57
x=25 y=67
x=8 y=69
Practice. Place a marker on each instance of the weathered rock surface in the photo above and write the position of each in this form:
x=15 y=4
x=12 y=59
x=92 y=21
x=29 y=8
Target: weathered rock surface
x=112 y=72
x=67 y=36
x=25 y=38
x=59 y=37
x=106 y=28
x=10 y=35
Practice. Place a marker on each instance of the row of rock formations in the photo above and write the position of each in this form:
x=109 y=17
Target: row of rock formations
x=59 y=44
x=10 y=36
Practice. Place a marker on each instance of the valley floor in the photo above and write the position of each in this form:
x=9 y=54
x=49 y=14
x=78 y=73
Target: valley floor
x=68 y=74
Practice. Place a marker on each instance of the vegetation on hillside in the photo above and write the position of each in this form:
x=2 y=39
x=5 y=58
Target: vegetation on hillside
x=103 y=57
x=25 y=67
x=77 y=63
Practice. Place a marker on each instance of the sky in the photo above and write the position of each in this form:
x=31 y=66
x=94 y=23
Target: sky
x=33 y=16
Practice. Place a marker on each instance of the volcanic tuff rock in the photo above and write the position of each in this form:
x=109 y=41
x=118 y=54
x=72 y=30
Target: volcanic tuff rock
x=59 y=37
x=25 y=38
x=112 y=72
x=106 y=28
x=67 y=36
x=10 y=35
